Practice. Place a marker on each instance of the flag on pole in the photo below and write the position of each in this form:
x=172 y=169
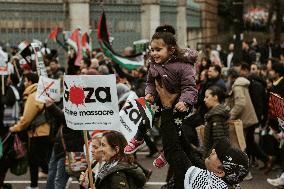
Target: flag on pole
x=53 y=33
x=57 y=35
x=131 y=62
x=75 y=42
x=74 y=39
x=86 y=47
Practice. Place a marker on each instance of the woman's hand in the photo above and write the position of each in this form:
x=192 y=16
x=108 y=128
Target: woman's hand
x=12 y=129
x=166 y=97
x=83 y=179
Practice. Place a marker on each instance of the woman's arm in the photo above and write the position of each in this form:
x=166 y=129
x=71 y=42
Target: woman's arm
x=239 y=102
x=31 y=109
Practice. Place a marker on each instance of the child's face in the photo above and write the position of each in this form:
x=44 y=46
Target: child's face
x=159 y=51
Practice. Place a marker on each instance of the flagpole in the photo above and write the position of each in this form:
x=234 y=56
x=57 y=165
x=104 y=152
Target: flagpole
x=90 y=173
x=3 y=84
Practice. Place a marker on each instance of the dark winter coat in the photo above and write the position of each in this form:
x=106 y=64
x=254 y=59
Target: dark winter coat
x=177 y=77
x=73 y=139
x=257 y=91
x=120 y=175
x=216 y=126
x=249 y=56
x=278 y=87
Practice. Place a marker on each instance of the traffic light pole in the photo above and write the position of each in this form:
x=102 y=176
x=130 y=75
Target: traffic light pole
x=238 y=28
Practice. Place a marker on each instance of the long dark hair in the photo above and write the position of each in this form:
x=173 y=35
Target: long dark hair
x=116 y=139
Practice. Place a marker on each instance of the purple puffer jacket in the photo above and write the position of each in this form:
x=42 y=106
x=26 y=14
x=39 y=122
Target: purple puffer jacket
x=177 y=76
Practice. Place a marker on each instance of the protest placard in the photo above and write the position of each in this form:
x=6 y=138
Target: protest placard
x=90 y=102
x=3 y=62
x=38 y=58
x=134 y=113
x=48 y=89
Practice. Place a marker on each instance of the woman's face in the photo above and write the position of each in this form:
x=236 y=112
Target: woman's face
x=269 y=84
x=27 y=83
x=269 y=65
x=204 y=62
x=107 y=151
x=203 y=75
x=210 y=100
x=96 y=152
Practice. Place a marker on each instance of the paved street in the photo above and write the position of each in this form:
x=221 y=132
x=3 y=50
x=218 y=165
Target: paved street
x=157 y=179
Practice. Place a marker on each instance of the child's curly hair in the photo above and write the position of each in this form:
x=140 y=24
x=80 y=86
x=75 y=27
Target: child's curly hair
x=167 y=34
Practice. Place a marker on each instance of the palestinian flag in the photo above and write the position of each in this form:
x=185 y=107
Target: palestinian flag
x=135 y=112
x=86 y=47
x=57 y=35
x=146 y=107
x=131 y=62
x=53 y=33
x=74 y=39
x=75 y=42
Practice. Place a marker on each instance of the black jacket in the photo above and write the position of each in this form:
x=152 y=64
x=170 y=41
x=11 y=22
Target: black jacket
x=279 y=88
x=216 y=126
x=120 y=175
x=257 y=91
x=73 y=139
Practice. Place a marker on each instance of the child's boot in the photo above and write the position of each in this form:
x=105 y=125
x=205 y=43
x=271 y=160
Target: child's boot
x=133 y=146
x=160 y=161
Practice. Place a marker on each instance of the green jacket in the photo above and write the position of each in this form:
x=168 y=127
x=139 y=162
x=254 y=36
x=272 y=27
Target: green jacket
x=120 y=175
x=216 y=126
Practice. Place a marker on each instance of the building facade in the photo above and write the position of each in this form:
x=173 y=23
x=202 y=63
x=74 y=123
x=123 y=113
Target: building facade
x=128 y=20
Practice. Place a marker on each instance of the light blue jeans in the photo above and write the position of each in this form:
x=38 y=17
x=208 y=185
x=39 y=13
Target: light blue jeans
x=57 y=176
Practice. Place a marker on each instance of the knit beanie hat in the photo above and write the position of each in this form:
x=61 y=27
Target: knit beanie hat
x=235 y=162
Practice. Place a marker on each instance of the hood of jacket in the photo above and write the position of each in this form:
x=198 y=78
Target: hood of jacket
x=190 y=55
x=29 y=90
x=130 y=170
x=218 y=110
x=241 y=81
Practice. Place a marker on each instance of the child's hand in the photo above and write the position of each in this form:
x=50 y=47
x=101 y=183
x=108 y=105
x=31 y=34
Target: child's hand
x=149 y=97
x=181 y=107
